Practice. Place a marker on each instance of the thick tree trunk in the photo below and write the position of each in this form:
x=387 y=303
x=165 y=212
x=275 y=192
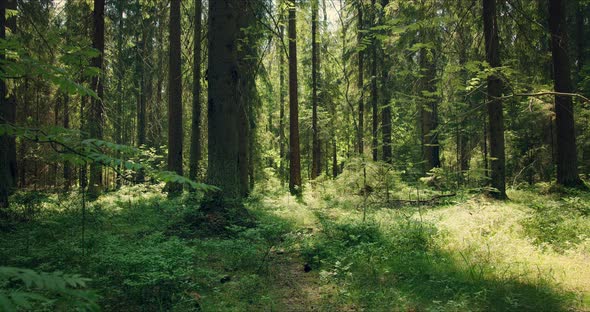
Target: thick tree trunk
x=495 y=110
x=567 y=162
x=96 y=121
x=224 y=101
x=294 y=152
x=175 y=129
x=316 y=144
x=195 y=153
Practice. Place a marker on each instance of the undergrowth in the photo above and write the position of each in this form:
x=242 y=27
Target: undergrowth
x=145 y=252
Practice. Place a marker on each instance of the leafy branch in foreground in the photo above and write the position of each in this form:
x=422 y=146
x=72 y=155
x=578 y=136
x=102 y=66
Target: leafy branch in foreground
x=68 y=144
x=24 y=289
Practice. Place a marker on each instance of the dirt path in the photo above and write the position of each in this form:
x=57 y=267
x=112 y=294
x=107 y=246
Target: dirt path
x=299 y=290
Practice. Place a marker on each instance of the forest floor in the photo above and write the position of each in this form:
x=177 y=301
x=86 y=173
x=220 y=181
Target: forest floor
x=330 y=250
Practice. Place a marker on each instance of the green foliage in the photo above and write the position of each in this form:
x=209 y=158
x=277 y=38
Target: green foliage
x=69 y=145
x=28 y=289
x=20 y=63
x=559 y=224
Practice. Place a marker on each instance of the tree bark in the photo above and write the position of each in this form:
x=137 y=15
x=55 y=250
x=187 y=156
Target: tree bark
x=429 y=111
x=385 y=98
x=316 y=145
x=294 y=152
x=175 y=97
x=374 y=94
x=195 y=152
x=96 y=121
x=567 y=161
x=360 y=83
x=224 y=101
x=495 y=110
x=248 y=95
x=282 y=138
x=5 y=175
x=66 y=124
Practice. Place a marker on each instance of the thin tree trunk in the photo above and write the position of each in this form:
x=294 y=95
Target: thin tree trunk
x=360 y=83
x=195 y=152
x=175 y=97
x=294 y=152
x=316 y=145
x=282 y=104
x=5 y=175
x=66 y=124
x=374 y=95
x=429 y=112
x=385 y=97
x=495 y=111
x=96 y=121
x=567 y=161
x=120 y=76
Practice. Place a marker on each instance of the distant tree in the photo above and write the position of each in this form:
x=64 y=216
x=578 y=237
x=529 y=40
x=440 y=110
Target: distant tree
x=282 y=138
x=429 y=108
x=361 y=79
x=315 y=54
x=294 y=152
x=385 y=97
x=374 y=95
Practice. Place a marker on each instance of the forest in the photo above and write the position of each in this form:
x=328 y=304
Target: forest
x=294 y=155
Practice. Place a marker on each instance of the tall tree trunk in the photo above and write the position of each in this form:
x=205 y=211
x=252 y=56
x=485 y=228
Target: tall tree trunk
x=580 y=39
x=247 y=68
x=495 y=111
x=429 y=111
x=96 y=121
x=175 y=97
x=282 y=138
x=66 y=124
x=22 y=150
x=385 y=98
x=374 y=95
x=463 y=139
x=386 y=116
x=567 y=161
x=195 y=153
x=316 y=145
x=5 y=175
x=120 y=76
x=224 y=100
x=294 y=152
x=360 y=83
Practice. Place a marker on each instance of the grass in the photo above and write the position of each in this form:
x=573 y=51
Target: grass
x=464 y=254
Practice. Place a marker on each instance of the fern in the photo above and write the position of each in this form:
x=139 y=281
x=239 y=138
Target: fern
x=26 y=289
